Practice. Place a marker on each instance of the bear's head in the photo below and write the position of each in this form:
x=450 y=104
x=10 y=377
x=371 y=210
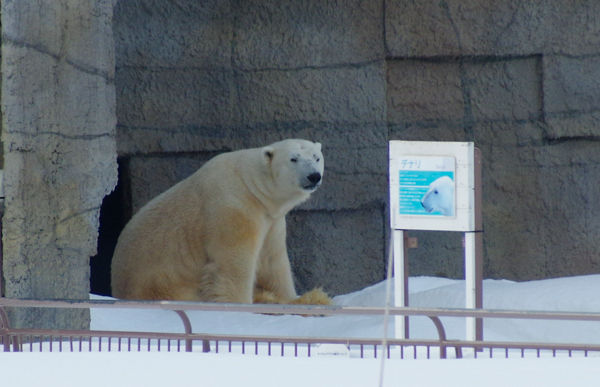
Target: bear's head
x=296 y=166
x=440 y=196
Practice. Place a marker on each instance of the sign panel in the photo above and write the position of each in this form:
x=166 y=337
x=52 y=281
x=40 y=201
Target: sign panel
x=427 y=186
x=432 y=186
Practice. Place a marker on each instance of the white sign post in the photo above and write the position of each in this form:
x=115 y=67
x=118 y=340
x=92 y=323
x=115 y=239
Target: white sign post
x=436 y=186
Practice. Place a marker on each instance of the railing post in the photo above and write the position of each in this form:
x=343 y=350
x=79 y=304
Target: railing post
x=187 y=326
x=4 y=327
x=441 y=335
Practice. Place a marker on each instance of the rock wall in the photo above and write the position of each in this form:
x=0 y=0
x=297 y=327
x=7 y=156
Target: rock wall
x=58 y=129
x=520 y=78
x=199 y=78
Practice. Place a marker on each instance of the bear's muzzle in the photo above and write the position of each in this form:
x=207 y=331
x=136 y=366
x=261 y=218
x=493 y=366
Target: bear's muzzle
x=314 y=180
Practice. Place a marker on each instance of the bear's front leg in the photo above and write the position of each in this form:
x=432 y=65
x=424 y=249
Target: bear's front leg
x=274 y=281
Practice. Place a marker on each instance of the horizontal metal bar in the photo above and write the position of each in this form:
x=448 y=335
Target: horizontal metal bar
x=299 y=309
x=188 y=337
x=218 y=337
x=16 y=336
x=69 y=334
x=524 y=345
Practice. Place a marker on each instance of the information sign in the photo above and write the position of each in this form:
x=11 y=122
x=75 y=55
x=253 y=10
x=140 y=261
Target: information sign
x=432 y=186
x=436 y=186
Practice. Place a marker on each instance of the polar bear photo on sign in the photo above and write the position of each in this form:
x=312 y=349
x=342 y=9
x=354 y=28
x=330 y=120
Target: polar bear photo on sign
x=440 y=197
x=220 y=234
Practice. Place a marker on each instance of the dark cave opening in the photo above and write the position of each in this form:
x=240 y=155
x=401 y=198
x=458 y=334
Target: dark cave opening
x=114 y=215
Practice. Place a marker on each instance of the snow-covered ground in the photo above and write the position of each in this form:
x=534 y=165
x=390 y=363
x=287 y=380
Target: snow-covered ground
x=194 y=369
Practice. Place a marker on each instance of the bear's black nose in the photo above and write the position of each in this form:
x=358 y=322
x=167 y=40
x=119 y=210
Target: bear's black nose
x=314 y=177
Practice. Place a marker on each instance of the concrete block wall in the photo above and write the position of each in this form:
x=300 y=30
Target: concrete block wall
x=185 y=80
x=519 y=78
x=219 y=76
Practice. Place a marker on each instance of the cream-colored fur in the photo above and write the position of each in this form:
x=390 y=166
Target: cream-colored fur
x=219 y=235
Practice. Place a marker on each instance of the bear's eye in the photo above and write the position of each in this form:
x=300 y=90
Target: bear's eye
x=435 y=192
x=294 y=160
x=318 y=159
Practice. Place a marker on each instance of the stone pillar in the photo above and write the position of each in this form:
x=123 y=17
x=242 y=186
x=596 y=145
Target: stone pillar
x=58 y=128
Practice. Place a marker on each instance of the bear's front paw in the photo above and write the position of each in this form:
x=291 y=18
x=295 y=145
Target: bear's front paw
x=315 y=297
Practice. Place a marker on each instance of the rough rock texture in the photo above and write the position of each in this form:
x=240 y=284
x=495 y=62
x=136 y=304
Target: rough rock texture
x=572 y=95
x=519 y=78
x=58 y=101
x=340 y=250
x=231 y=75
x=433 y=28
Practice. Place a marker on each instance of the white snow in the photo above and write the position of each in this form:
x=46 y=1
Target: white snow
x=577 y=294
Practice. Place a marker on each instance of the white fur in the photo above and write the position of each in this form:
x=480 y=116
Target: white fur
x=440 y=196
x=219 y=235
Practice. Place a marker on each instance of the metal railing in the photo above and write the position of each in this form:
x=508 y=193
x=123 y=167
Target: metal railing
x=21 y=339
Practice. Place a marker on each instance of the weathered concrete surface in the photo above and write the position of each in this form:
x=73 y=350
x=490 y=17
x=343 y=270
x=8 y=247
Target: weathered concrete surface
x=58 y=101
x=520 y=78
x=422 y=90
x=308 y=33
x=464 y=91
x=540 y=211
x=433 y=28
x=339 y=250
x=266 y=71
x=540 y=156
x=572 y=95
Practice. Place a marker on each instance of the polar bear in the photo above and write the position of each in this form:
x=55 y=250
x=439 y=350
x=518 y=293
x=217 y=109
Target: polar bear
x=220 y=234
x=440 y=196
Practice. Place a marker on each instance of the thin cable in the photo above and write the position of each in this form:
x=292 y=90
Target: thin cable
x=386 y=314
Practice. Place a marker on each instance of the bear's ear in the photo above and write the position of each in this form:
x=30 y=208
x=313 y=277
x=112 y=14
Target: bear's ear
x=318 y=144
x=267 y=153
